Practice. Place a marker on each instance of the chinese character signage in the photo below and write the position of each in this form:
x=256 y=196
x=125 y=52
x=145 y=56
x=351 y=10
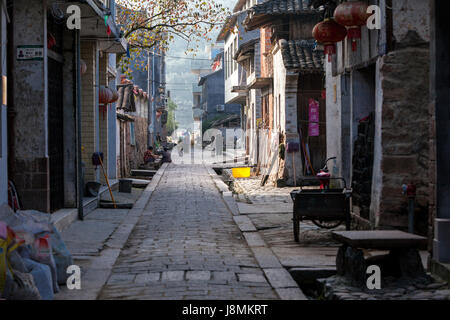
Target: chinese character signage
x=30 y=53
x=314 y=118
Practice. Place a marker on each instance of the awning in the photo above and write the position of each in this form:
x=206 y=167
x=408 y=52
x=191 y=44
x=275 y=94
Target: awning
x=260 y=83
x=94 y=27
x=124 y=117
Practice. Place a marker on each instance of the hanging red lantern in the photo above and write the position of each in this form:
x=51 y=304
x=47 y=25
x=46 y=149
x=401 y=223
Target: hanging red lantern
x=352 y=15
x=115 y=95
x=51 y=40
x=105 y=95
x=328 y=33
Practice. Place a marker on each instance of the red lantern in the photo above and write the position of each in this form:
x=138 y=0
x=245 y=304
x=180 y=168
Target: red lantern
x=51 y=40
x=105 y=95
x=352 y=15
x=329 y=33
x=115 y=95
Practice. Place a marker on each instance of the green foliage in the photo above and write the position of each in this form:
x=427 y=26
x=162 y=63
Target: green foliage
x=154 y=24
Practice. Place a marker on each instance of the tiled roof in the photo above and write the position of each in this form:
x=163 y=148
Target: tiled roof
x=277 y=8
x=282 y=7
x=300 y=54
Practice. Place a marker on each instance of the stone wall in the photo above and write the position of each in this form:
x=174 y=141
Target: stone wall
x=405 y=135
x=135 y=153
x=28 y=130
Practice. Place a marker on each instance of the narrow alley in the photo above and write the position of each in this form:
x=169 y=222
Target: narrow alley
x=186 y=246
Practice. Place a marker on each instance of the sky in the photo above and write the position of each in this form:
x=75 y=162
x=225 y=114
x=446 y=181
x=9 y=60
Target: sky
x=179 y=76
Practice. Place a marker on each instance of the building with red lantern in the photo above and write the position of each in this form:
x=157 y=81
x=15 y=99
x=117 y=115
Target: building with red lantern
x=377 y=93
x=292 y=74
x=61 y=93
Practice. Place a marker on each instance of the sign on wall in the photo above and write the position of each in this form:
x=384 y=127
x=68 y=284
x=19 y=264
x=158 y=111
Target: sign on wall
x=30 y=52
x=314 y=118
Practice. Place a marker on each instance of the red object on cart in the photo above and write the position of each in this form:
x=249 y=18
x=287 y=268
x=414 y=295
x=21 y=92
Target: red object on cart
x=324 y=178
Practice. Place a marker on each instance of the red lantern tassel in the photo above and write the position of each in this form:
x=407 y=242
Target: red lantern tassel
x=330 y=49
x=103 y=110
x=354 y=33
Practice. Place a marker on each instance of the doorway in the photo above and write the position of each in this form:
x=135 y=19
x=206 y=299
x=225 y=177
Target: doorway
x=55 y=134
x=310 y=87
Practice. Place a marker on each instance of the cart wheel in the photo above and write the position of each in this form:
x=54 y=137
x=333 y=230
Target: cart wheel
x=296 y=229
x=328 y=224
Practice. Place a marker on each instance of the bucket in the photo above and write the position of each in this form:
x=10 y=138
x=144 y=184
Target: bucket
x=241 y=172
x=125 y=185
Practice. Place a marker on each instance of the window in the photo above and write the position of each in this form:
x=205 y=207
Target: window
x=132 y=134
x=231 y=58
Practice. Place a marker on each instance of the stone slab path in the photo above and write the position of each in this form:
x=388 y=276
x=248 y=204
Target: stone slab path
x=186 y=245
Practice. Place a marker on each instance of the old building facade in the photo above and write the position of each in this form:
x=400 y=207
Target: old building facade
x=48 y=136
x=291 y=75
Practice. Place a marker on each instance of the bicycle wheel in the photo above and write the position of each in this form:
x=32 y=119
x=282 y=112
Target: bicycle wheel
x=328 y=224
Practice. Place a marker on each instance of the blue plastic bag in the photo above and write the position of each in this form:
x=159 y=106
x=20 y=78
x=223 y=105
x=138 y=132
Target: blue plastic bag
x=42 y=277
x=63 y=258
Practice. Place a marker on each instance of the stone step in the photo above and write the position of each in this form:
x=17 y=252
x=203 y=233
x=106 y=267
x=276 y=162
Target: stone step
x=143 y=173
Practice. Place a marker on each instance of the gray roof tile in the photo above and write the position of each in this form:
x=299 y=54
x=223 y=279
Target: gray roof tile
x=300 y=54
x=281 y=7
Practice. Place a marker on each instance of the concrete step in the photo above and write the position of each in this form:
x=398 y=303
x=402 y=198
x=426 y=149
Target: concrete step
x=143 y=173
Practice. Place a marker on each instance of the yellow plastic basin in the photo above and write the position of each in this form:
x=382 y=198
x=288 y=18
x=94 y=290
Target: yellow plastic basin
x=241 y=172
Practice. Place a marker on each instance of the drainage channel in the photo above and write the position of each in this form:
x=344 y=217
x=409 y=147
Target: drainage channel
x=308 y=279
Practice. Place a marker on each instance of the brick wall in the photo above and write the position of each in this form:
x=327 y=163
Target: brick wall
x=88 y=111
x=265 y=48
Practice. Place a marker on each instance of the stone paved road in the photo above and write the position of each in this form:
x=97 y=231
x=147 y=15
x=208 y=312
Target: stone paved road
x=186 y=246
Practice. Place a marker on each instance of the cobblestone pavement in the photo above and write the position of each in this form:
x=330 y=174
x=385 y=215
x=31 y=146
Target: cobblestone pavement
x=318 y=250
x=186 y=246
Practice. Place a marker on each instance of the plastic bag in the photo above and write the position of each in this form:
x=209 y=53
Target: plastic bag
x=42 y=277
x=42 y=253
x=26 y=224
x=21 y=287
x=62 y=256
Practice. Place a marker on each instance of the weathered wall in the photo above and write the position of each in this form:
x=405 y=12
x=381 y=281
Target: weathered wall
x=439 y=173
x=405 y=138
x=89 y=108
x=411 y=15
x=135 y=153
x=29 y=146
x=285 y=115
x=3 y=114
x=402 y=133
x=69 y=127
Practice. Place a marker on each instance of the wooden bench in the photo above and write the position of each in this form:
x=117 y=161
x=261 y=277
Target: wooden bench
x=403 y=260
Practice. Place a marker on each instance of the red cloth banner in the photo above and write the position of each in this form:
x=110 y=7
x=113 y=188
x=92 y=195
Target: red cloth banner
x=314 y=118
